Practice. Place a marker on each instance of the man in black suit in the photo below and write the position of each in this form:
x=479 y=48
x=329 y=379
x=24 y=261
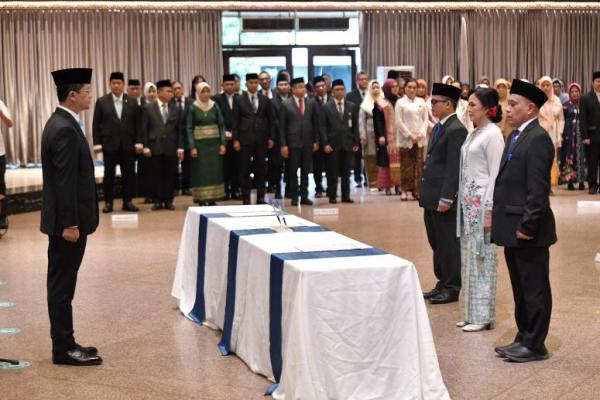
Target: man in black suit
x=69 y=209
x=299 y=133
x=163 y=137
x=356 y=96
x=264 y=79
x=252 y=135
x=134 y=91
x=322 y=98
x=339 y=140
x=439 y=189
x=275 y=163
x=231 y=159
x=184 y=180
x=523 y=222
x=115 y=131
x=590 y=127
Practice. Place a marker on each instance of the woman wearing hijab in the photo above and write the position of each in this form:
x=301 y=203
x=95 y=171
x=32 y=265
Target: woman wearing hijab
x=411 y=126
x=367 y=132
x=383 y=125
x=150 y=92
x=572 y=157
x=391 y=90
x=502 y=86
x=447 y=80
x=552 y=119
x=206 y=137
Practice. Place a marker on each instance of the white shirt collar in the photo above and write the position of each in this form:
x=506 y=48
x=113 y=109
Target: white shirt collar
x=115 y=98
x=252 y=94
x=76 y=116
x=443 y=121
x=525 y=124
x=160 y=103
x=336 y=101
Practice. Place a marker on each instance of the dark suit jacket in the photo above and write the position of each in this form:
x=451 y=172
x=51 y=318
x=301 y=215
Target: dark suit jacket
x=295 y=130
x=159 y=137
x=251 y=127
x=69 y=189
x=521 y=194
x=339 y=133
x=221 y=100
x=355 y=97
x=441 y=170
x=110 y=131
x=590 y=117
x=187 y=101
x=276 y=103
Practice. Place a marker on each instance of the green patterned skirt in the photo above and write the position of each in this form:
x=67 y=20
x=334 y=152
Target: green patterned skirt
x=207 y=168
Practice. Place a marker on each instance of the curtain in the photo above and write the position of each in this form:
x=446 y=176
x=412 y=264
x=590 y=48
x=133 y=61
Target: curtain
x=428 y=40
x=147 y=45
x=500 y=43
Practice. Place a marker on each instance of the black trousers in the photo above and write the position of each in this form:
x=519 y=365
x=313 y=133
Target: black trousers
x=441 y=234
x=318 y=168
x=593 y=163
x=126 y=160
x=164 y=170
x=64 y=260
x=143 y=173
x=4 y=201
x=529 y=275
x=339 y=163
x=299 y=158
x=253 y=158
x=275 y=168
x=231 y=170
x=184 y=179
x=358 y=167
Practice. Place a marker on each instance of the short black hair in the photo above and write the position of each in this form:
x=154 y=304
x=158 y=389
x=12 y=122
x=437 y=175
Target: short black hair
x=264 y=72
x=62 y=91
x=454 y=102
x=196 y=80
x=236 y=76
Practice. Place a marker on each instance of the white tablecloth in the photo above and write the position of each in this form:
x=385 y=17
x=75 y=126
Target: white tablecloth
x=351 y=325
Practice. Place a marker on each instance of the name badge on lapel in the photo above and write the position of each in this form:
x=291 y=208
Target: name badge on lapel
x=349 y=120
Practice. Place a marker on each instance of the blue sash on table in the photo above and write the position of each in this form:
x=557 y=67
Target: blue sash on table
x=275 y=297
x=198 y=312
x=234 y=238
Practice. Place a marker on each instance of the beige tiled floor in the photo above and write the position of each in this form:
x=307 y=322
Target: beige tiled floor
x=123 y=306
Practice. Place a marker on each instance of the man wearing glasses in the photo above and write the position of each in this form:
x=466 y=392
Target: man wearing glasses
x=264 y=79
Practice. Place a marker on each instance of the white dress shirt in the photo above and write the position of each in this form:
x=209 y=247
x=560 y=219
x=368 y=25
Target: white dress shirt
x=118 y=102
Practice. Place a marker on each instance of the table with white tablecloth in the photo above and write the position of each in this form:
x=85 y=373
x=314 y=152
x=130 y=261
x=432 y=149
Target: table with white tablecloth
x=321 y=315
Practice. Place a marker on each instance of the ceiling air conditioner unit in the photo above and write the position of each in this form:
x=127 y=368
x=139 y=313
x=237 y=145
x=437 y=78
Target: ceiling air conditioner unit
x=406 y=71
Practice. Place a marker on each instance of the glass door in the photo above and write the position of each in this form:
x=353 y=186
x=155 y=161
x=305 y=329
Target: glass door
x=337 y=63
x=256 y=61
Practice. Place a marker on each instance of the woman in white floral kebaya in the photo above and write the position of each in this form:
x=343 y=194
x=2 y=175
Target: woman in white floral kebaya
x=480 y=161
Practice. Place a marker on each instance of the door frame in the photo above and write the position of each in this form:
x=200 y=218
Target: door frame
x=329 y=51
x=265 y=52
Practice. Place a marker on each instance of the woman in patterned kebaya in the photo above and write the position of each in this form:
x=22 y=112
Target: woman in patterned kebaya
x=480 y=161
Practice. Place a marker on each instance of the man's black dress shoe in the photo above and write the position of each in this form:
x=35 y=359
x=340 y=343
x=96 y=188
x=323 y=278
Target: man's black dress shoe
x=318 y=195
x=333 y=200
x=157 y=206
x=294 y=202
x=522 y=354
x=169 y=206
x=306 y=202
x=347 y=200
x=130 y=207
x=108 y=208
x=593 y=190
x=76 y=357
x=443 y=298
x=91 y=350
x=501 y=349
x=433 y=292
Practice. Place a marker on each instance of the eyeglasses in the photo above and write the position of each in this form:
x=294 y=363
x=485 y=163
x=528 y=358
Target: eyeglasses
x=435 y=101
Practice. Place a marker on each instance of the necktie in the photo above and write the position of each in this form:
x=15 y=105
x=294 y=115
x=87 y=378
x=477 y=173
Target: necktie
x=514 y=136
x=340 y=109
x=165 y=113
x=301 y=106
x=436 y=133
x=119 y=107
x=254 y=106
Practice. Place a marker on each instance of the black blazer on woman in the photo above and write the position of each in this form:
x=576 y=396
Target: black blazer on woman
x=69 y=189
x=521 y=194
